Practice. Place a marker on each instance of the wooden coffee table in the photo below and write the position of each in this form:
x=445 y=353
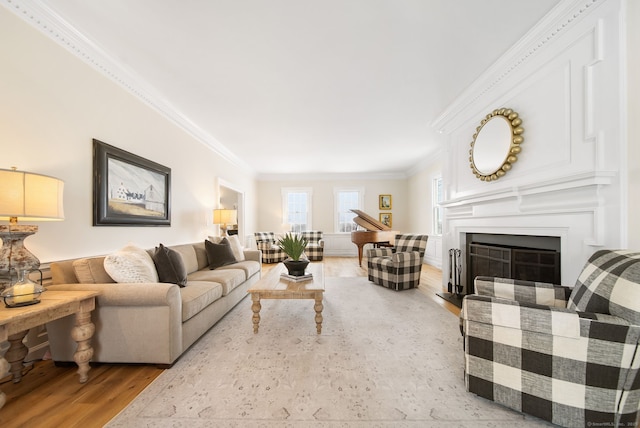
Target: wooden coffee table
x=272 y=286
x=16 y=322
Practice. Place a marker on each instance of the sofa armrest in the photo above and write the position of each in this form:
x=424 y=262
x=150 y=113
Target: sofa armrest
x=126 y=294
x=540 y=293
x=254 y=255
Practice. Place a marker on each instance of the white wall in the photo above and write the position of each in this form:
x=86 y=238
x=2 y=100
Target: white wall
x=566 y=80
x=53 y=105
x=420 y=204
x=633 y=102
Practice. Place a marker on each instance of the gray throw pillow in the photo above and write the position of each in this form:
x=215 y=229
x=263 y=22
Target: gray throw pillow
x=219 y=254
x=170 y=266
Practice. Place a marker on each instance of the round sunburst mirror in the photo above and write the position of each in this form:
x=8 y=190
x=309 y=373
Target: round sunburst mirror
x=496 y=144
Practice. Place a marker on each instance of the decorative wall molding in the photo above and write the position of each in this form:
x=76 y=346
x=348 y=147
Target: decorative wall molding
x=555 y=24
x=566 y=75
x=339 y=245
x=42 y=17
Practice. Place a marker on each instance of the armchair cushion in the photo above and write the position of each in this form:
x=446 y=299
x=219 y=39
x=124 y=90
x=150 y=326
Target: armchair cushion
x=609 y=284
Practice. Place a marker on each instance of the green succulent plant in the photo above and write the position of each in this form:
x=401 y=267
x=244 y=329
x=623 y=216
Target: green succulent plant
x=293 y=245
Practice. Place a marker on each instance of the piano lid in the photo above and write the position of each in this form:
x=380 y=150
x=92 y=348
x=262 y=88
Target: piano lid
x=365 y=220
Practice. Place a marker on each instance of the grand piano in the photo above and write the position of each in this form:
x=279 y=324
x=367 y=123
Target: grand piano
x=377 y=233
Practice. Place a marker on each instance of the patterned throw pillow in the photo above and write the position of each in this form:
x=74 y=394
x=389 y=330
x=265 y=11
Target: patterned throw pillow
x=219 y=254
x=131 y=264
x=170 y=266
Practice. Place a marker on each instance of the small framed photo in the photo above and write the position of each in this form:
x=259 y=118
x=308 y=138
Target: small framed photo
x=386 y=219
x=385 y=202
x=129 y=190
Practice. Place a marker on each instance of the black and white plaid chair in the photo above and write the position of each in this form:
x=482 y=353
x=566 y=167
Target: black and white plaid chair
x=315 y=248
x=271 y=253
x=398 y=267
x=568 y=356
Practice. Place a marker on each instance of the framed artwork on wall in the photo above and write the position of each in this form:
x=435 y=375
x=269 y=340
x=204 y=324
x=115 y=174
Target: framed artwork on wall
x=129 y=190
x=384 y=202
x=386 y=219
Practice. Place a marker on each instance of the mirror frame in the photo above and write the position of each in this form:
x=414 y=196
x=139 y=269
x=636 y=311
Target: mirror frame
x=511 y=155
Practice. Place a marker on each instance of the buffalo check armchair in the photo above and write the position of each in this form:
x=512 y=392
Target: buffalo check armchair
x=315 y=246
x=271 y=252
x=398 y=267
x=568 y=356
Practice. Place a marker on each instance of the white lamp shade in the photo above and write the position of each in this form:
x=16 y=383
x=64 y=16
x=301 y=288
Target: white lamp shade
x=222 y=216
x=30 y=197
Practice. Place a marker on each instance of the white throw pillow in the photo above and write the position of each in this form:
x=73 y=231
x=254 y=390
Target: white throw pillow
x=236 y=247
x=131 y=264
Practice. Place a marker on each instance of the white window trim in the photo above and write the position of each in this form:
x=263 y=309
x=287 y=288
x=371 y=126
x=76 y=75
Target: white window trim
x=435 y=204
x=336 y=190
x=309 y=191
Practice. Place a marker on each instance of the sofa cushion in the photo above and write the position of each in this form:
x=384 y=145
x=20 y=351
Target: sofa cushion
x=249 y=267
x=169 y=265
x=91 y=270
x=219 y=254
x=189 y=257
x=63 y=273
x=197 y=296
x=131 y=264
x=201 y=255
x=228 y=278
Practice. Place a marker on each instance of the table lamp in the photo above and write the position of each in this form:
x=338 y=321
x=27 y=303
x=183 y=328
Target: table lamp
x=25 y=196
x=224 y=217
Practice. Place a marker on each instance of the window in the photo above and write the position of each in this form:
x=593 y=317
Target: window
x=345 y=200
x=296 y=208
x=436 y=198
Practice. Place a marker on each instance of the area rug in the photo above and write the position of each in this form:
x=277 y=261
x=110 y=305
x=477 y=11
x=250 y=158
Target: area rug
x=384 y=359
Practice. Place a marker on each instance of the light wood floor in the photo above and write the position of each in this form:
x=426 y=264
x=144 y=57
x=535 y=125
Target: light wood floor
x=50 y=396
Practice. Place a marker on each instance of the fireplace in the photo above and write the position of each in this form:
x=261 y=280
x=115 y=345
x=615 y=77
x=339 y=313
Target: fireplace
x=529 y=258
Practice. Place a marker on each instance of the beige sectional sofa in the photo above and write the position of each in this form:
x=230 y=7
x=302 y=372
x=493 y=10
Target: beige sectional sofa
x=151 y=322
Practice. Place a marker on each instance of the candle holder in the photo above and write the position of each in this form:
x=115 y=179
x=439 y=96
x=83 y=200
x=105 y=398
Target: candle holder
x=23 y=293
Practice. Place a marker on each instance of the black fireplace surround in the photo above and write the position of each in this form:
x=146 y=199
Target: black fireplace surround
x=524 y=257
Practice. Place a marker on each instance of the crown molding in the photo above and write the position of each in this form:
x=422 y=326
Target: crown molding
x=331 y=177
x=556 y=23
x=42 y=17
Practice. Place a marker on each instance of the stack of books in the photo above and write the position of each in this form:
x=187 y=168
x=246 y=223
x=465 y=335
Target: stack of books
x=307 y=276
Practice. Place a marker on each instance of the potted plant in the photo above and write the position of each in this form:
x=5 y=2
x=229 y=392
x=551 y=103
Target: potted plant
x=294 y=245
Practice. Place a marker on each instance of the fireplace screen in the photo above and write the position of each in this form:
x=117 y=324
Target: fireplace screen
x=529 y=264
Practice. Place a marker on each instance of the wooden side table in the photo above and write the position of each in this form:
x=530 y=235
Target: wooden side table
x=16 y=322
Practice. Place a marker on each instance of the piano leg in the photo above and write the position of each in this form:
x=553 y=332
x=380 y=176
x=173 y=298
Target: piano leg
x=360 y=254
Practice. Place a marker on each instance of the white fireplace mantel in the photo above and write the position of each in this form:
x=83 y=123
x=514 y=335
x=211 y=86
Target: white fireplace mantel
x=569 y=180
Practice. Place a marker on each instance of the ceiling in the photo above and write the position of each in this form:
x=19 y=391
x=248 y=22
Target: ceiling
x=303 y=86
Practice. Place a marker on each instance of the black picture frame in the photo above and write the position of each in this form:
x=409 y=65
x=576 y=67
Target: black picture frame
x=129 y=190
